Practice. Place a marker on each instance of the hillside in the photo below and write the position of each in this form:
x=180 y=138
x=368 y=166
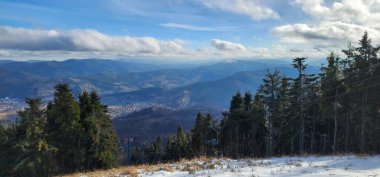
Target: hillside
x=215 y=93
x=280 y=166
x=25 y=79
x=147 y=124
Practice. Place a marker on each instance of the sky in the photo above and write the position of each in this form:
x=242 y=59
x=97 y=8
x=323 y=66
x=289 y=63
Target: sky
x=183 y=29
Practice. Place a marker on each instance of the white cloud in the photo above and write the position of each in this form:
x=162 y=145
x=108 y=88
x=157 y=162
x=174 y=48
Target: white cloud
x=82 y=40
x=324 y=34
x=333 y=25
x=227 y=46
x=250 y=8
x=312 y=7
x=4 y=53
x=360 y=12
x=21 y=44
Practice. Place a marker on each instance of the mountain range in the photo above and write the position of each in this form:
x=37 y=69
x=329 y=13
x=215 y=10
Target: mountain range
x=148 y=96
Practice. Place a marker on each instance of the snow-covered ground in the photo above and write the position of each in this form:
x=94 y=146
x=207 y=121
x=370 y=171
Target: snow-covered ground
x=283 y=166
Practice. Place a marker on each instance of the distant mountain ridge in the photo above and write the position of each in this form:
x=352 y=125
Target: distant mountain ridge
x=123 y=82
x=215 y=94
x=133 y=90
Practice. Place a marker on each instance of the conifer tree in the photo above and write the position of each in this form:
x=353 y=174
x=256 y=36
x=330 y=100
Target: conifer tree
x=331 y=87
x=361 y=64
x=101 y=142
x=65 y=131
x=258 y=124
x=2 y=139
x=299 y=99
x=270 y=95
x=197 y=141
x=181 y=143
x=28 y=152
x=230 y=126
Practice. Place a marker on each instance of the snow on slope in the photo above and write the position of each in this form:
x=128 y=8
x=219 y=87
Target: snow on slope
x=283 y=166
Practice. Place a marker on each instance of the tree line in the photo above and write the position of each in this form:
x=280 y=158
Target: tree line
x=63 y=137
x=180 y=145
x=336 y=111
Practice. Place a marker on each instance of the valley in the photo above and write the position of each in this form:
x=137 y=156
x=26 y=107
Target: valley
x=135 y=90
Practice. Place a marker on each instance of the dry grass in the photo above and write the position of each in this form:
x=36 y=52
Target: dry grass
x=192 y=168
x=133 y=171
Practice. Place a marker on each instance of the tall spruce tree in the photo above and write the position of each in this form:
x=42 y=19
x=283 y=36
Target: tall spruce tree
x=230 y=127
x=282 y=122
x=101 y=142
x=332 y=88
x=361 y=64
x=269 y=91
x=181 y=144
x=299 y=100
x=258 y=124
x=28 y=152
x=198 y=136
x=65 y=131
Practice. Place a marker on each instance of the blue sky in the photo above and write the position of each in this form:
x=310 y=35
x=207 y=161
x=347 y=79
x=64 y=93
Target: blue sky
x=182 y=29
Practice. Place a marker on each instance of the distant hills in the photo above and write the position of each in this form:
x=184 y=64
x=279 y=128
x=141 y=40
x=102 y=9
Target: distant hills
x=25 y=79
x=121 y=82
x=145 y=125
x=181 y=90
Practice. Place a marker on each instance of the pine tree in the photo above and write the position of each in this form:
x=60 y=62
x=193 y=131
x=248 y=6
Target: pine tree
x=198 y=138
x=65 y=131
x=28 y=148
x=282 y=123
x=299 y=100
x=2 y=139
x=230 y=127
x=181 y=143
x=158 y=149
x=361 y=64
x=332 y=88
x=211 y=132
x=270 y=92
x=101 y=142
x=258 y=124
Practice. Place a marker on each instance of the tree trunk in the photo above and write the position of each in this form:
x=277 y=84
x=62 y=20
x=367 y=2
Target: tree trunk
x=363 y=121
x=335 y=119
x=346 y=141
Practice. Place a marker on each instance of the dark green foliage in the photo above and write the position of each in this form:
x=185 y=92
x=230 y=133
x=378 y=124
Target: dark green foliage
x=336 y=111
x=65 y=131
x=26 y=150
x=202 y=135
x=200 y=141
x=269 y=92
x=181 y=144
x=2 y=139
x=330 y=102
x=310 y=113
x=101 y=142
x=243 y=127
x=59 y=139
x=198 y=136
x=361 y=76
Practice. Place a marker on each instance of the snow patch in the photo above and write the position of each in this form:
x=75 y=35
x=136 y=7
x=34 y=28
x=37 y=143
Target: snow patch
x=282 y=166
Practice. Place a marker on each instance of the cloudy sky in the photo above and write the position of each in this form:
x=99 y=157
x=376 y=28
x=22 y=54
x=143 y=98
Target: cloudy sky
x=183 y=29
